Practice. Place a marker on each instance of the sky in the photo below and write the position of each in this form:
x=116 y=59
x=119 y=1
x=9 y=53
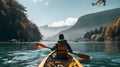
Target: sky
x=62 y=12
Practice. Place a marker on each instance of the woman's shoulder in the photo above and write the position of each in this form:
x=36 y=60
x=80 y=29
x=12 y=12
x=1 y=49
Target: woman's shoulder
x=62 y=41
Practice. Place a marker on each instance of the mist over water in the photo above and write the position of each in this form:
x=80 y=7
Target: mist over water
x=103 y=54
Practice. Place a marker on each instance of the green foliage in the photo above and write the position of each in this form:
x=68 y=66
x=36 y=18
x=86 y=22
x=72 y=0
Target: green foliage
x=14 y=23
x=92 y=32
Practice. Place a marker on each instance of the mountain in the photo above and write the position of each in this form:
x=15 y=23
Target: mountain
x=51 y=31
x=89 y=22
x=14 y=24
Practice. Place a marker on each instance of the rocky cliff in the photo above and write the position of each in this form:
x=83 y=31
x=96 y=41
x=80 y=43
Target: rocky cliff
x=112 y=31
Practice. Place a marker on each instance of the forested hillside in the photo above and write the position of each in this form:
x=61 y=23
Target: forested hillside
x=110 y=32
x=14 y=23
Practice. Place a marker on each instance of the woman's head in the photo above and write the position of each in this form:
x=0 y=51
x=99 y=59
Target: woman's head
x=61 y=36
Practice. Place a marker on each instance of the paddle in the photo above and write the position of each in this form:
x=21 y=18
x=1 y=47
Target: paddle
x=82 y=56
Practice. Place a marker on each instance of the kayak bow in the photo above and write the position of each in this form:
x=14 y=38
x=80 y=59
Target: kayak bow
x=49 y=61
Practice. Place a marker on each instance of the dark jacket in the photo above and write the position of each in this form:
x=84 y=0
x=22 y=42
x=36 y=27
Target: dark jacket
x=62 y=42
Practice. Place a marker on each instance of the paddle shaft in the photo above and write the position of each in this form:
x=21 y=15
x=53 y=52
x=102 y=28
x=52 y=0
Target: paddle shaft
x=82 y=56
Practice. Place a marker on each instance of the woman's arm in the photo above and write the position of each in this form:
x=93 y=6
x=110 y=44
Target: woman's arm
x=69 y=48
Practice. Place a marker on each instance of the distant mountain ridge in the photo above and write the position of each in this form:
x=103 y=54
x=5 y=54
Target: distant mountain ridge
x=89 y=22
x=101 y=18
x=51 y=31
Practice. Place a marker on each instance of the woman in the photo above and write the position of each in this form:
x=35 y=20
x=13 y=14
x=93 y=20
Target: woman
x=62 y=47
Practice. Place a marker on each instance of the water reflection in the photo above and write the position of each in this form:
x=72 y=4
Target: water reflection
x=112 y=47
x=109 y=47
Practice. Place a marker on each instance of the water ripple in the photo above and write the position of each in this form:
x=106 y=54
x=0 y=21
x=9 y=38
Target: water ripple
x=29 y=58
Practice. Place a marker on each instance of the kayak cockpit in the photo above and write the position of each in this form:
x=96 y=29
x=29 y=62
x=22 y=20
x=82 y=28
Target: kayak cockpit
x=49 y=61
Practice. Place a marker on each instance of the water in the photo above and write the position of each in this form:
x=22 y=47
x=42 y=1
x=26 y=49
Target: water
x=103 y=54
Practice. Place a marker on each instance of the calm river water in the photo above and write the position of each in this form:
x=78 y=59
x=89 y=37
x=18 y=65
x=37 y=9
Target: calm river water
x=104 y=54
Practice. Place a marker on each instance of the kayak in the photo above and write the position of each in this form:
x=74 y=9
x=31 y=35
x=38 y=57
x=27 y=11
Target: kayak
x=49 y=61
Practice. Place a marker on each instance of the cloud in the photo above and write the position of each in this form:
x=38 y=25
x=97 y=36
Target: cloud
x=68 y=22
x=34 y=1
x=71 y=21
x=58 y=24
x=46 y=3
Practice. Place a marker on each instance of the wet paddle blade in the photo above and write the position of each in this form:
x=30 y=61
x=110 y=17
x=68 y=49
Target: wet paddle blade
x=83 y=56
x=39 y=45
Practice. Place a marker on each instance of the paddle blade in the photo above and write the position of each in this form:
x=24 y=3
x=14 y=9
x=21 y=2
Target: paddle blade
x=83 y=56
x=39 y=45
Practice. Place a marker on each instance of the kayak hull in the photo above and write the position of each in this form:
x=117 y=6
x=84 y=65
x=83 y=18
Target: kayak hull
x=50 y=62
